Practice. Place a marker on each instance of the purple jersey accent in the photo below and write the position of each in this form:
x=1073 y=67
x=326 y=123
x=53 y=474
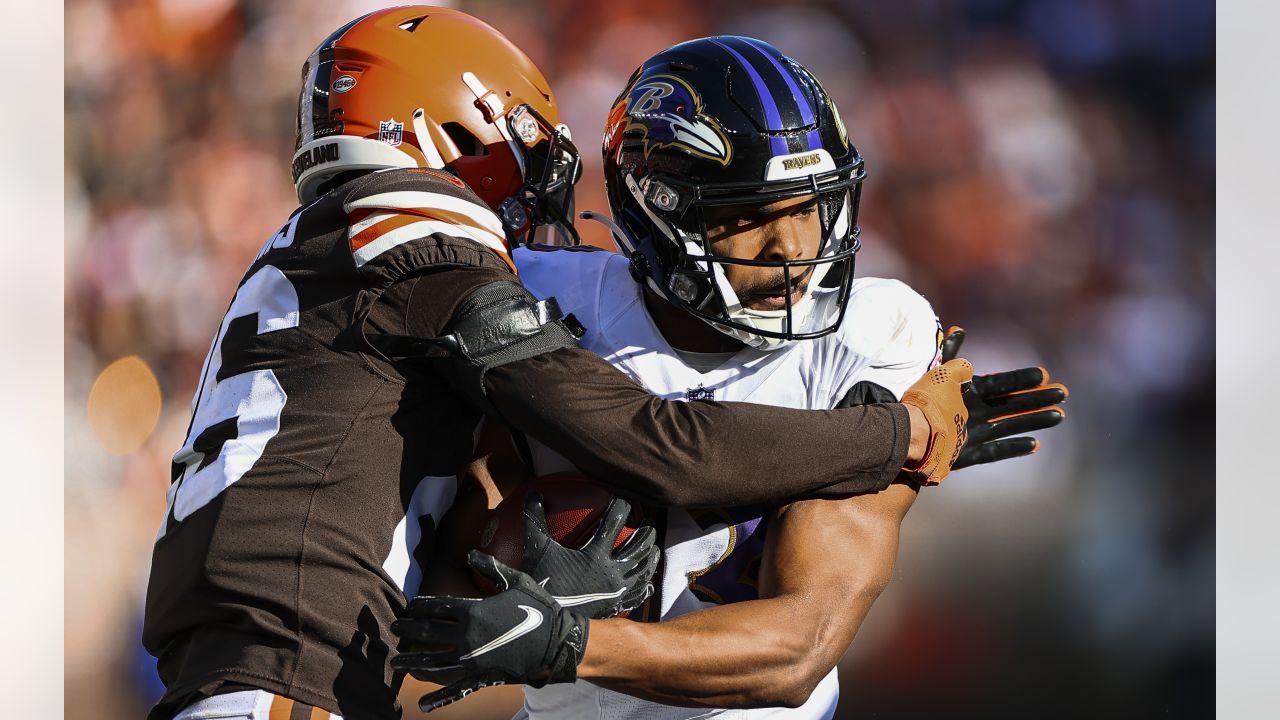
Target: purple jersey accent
x=736 y=577
x=773 y=118
x=802 y=100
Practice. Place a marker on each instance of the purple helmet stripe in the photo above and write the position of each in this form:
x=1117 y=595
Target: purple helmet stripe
x=802 y=100
x=771 y=114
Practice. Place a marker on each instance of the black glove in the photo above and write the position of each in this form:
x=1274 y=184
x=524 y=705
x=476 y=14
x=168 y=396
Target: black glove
x=1005 y=404
x=521 y=635
x=597 y=580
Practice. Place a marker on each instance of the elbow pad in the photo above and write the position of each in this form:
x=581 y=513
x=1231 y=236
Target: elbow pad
x=499 y=323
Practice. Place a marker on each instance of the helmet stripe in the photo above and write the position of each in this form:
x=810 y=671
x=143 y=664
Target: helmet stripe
x=336 y=35
x=314 y=103
x=320 y=91
x=772 y=117
x=802 y=100
x=306 y=121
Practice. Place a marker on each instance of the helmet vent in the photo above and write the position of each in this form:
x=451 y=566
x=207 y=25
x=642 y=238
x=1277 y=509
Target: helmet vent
x=413 y=24
x=464 y=140
x=681 y=67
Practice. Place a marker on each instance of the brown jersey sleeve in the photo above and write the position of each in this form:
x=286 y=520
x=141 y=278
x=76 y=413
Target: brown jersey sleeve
x=687 y=454
x=696 y=454
x=423 y=305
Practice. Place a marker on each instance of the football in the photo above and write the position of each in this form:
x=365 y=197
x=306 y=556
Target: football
x=574 y=505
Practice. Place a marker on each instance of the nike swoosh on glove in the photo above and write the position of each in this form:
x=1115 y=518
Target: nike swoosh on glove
x=1002 y=405
x=521 y=635
x=597 y=580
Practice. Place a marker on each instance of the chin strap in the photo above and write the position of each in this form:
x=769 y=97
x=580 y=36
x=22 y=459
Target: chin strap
x=499 y=323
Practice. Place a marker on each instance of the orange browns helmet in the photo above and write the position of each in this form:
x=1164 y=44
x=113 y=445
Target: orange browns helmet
x=431 y=87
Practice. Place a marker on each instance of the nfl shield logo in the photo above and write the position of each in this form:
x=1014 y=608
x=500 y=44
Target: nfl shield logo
x=700 y=393
x=390 y=131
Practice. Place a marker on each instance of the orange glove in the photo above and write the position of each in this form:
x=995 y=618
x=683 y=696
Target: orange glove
x=939 y=395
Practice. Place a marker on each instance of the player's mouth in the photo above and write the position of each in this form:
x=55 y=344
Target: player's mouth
x=774 y=297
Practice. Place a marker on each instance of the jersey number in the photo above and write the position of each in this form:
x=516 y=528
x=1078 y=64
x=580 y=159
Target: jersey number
x=234 y=415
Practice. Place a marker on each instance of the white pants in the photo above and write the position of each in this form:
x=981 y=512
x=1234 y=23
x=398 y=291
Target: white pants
x=252 y=705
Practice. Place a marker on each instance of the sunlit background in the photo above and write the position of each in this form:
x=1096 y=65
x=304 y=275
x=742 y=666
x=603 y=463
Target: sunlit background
x=1042 y=171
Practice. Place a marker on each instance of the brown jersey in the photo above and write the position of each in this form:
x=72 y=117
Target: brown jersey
x=312 y=468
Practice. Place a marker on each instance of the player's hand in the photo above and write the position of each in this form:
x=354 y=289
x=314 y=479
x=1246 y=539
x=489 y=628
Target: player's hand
x=521 y=635
x=1005 y=404
x=597 y=580
x=939 y=396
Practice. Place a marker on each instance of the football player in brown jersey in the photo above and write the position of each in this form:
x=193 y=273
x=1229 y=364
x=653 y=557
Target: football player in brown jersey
x=364 y=344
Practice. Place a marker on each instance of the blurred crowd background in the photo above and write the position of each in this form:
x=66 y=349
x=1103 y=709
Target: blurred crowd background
x=1042 y=171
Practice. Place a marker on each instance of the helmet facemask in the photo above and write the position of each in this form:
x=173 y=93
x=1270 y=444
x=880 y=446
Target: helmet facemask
x=696 y=280
x=551 y=166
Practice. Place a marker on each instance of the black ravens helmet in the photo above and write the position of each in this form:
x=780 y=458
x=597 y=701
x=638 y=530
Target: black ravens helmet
x=730 y=121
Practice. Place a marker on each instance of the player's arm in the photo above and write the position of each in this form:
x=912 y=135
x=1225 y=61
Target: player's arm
x=698 y=454
x=676 y=453
x=775 y=650
x=760 y=653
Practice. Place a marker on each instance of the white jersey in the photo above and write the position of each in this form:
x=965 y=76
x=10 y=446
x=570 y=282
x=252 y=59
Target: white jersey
x=889 y=338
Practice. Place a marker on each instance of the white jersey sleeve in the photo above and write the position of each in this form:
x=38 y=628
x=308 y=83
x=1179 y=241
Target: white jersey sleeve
x=893 y=333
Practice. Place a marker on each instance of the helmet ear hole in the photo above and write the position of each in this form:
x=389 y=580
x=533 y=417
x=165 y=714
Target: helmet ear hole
x=411 y=25
x=467 y=143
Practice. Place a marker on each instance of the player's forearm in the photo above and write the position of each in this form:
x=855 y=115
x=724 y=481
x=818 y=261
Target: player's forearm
x=775 y=650
x=695 y=453
x=732 y=656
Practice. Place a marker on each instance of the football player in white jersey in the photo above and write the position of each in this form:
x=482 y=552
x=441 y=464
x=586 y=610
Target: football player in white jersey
x=735 y=193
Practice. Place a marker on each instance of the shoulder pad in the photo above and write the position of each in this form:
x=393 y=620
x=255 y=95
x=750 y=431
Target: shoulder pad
x=890 y=323
x=571 y=276
x=390 y=207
